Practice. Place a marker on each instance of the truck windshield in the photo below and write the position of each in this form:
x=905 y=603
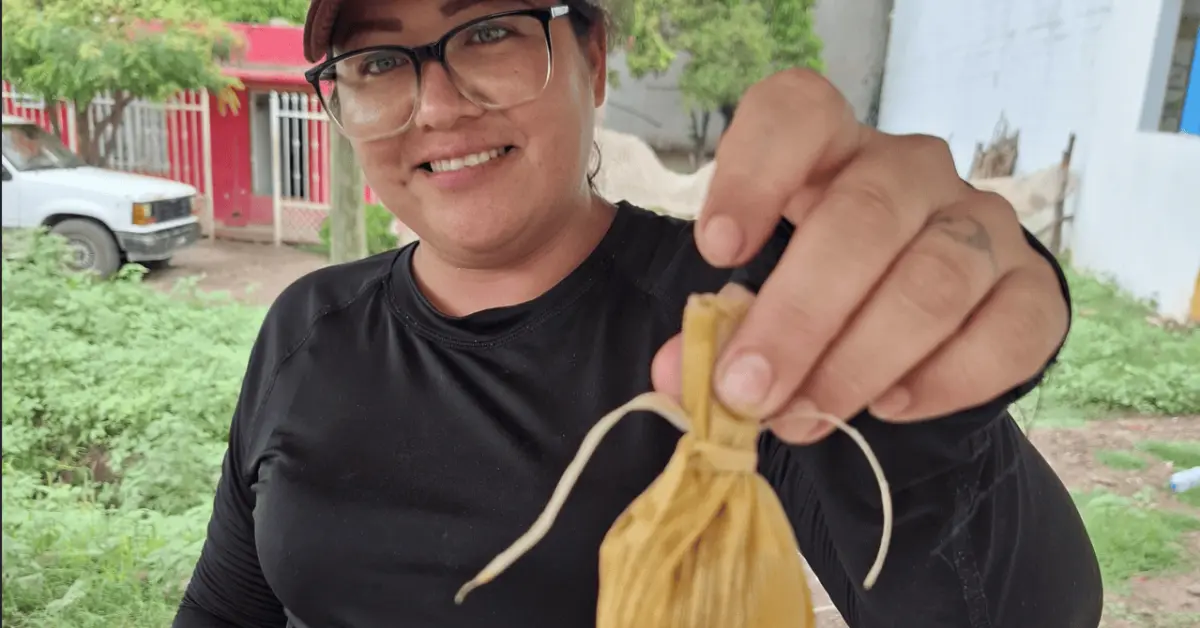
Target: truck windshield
x=29 y=147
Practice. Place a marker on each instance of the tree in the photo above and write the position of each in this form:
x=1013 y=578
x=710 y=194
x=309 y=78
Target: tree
x=347 y=215
x=729 y=44
x=259 y=11
x=78 y=50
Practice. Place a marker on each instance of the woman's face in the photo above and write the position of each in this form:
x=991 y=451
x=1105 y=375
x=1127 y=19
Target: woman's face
x=532 y=157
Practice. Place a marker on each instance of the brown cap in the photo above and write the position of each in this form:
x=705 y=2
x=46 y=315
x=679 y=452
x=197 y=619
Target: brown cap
x=318 y=27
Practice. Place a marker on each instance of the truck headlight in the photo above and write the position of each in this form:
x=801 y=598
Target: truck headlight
x=143 y=214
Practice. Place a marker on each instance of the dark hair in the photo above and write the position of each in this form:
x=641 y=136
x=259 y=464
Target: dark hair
x=585 y=16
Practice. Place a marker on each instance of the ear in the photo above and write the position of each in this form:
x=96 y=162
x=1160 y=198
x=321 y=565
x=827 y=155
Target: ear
x=597 y=53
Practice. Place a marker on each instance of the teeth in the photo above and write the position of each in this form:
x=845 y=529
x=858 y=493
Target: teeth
x=458 y=163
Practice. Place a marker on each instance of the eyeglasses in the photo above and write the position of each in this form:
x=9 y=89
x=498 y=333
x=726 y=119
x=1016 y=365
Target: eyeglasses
x=496 y=61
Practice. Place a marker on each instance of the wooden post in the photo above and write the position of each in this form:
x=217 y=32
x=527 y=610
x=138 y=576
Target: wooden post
x=347 y=214
x=1059 y=206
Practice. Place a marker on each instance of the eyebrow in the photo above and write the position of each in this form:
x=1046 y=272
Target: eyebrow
x=392 y=24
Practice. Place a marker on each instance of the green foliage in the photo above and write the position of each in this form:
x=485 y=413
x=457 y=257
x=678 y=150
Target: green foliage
x=379 y=231
x=258 y=11
x=1117 y=362
x=1131 y=537
x=1183 y=454
x=731 y=44
x=1121 y=460
x=116 y=407
x=61 y=51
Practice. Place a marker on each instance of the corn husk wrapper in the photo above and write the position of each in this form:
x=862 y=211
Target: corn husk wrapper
x=707 y=545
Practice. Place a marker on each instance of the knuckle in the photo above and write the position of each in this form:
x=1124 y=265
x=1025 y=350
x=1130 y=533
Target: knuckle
x=788 y=84
x=839 y=389
x=931 y=148
x=872 y=206
x=792 y=317
x=1035 y=316
x=935 y=285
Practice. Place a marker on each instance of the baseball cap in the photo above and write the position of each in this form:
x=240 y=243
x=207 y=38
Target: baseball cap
x=318 y=27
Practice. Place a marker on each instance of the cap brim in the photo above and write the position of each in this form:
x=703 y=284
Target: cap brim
x=318 y=27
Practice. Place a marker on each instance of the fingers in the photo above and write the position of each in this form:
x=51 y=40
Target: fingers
x=839 y=252
x=924 y=300
x=760 y=166
x=1009 y=339
x=666 y=371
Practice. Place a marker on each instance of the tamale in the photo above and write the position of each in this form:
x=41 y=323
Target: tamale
x=707 y=544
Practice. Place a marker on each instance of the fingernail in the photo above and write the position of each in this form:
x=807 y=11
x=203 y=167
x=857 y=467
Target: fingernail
x=722 y=238
x=892 y=402
x=746 y=381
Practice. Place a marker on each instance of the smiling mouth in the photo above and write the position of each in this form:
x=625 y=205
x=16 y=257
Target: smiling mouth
x=466 y=161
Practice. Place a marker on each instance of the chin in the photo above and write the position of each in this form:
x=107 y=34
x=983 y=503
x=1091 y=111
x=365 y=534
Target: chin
x=476 y=226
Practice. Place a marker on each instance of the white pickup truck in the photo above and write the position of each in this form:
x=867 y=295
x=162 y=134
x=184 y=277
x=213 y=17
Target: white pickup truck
x=107 y=217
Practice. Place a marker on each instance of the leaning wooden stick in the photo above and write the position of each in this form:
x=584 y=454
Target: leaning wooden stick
x=708 y=543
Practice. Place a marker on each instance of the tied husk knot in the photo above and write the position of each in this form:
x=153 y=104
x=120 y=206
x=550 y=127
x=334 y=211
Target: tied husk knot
x=707 y=544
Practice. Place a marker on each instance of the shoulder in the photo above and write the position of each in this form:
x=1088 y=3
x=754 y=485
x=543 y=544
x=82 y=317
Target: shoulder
x=658 y=253
x=297 y=310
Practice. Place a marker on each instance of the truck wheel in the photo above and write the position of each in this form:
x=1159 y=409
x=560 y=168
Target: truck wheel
x=93 y=248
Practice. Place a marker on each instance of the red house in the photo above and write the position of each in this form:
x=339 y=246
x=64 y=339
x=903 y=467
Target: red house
x=262 y=168
x=271 y=157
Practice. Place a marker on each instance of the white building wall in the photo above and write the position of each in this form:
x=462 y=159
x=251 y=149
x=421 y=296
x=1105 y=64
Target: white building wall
x=1098 y=68
x=955 y=69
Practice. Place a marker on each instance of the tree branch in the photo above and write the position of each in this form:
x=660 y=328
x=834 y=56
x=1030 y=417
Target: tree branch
x=111 y=125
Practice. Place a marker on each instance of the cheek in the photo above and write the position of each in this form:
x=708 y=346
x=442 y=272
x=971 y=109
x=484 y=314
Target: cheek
x=378 y=162
x=562 y=122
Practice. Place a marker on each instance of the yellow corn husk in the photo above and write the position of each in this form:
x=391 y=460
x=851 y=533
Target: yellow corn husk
x=707 y=545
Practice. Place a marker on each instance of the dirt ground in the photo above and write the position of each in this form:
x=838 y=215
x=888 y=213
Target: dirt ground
x=251 y=273
x=1153 y=602
x=255 y=273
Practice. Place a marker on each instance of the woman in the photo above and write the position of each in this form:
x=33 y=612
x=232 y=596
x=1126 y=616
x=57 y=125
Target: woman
x=405 y=417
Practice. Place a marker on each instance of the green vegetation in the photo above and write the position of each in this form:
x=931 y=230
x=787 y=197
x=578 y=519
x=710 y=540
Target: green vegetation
x=1181 y=454
x=1131 y=537
x=1115 y=362
x=729 y=46
x=60 y=51
x=1184 y=454
x=258 y=11
x=116 y=405
x=1122 y=460
x=379 y=231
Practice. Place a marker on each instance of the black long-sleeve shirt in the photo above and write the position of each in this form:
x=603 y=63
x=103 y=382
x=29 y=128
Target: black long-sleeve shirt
x=382 y=453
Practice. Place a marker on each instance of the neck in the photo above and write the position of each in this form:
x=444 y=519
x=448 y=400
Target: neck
x=458 y=289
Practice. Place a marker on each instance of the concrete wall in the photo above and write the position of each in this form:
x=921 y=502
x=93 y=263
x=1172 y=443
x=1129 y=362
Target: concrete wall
x=956 y=69
x=855 y=36
x=1098 y=68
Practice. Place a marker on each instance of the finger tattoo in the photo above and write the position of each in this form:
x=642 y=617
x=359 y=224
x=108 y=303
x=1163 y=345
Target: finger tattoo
x=965 y=230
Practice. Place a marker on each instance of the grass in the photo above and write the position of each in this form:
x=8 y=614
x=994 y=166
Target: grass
x=1132 y=537
x=1181 y=454
x=1121 y=460
x=1116 y=363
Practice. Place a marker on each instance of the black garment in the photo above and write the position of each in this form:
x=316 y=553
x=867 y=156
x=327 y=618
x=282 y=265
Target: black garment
x=382 y=453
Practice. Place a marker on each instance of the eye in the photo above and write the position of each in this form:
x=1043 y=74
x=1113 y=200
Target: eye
x=380 y=62
x=489 y=33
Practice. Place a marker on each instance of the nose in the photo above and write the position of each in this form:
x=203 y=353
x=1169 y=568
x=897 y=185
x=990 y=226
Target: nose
x=441 y=105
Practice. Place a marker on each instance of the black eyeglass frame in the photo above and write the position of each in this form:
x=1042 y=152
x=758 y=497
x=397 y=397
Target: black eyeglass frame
x=436 y=51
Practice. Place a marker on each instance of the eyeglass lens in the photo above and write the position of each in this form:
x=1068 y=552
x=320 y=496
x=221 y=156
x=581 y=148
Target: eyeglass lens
x=500 y=62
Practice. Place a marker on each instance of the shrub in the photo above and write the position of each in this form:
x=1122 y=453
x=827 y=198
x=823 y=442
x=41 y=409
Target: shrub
x=116 y=409
x=380 y=238
x=1117 y=361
